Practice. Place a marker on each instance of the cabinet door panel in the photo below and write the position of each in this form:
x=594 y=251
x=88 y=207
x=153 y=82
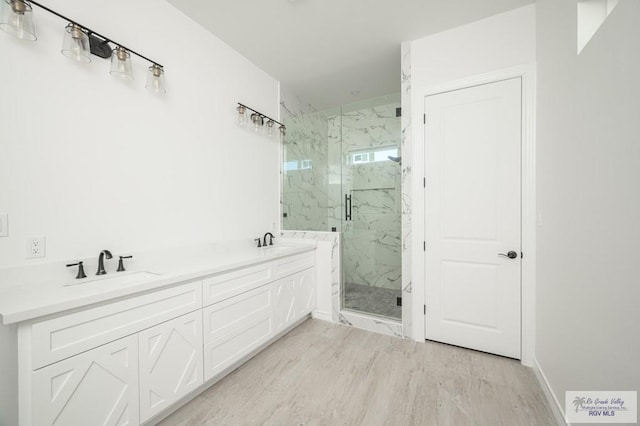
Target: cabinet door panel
x=170 y=362
x=295 y=297
x=305 y=293
x=98 y=387
x=284 y=306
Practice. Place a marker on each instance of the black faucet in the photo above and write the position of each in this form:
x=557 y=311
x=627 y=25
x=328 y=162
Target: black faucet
x=81 y=273
x=271 y=237
x=103 y=253
x=121 y=263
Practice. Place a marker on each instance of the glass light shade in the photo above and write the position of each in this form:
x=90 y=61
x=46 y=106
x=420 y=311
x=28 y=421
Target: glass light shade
x=257 y=121
x=121 y=64
x=76 y=44
x=269 y=128
x=283 y=131
x=242 y=115
x=16 y=18
x=155 y=79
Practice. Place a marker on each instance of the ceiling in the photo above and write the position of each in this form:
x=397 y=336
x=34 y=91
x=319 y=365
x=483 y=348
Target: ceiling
x=333 y=52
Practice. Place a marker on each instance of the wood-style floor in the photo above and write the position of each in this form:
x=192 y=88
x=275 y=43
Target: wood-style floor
x=326 y=374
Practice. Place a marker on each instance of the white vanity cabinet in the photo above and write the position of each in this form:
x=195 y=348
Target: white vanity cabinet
x=89 y=366
x=130 y=360
x=97 y=387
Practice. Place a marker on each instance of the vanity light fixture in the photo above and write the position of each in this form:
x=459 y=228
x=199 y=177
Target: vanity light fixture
x=79 y=42
x=258 y=120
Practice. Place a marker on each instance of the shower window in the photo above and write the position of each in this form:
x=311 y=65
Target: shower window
x=372 y=155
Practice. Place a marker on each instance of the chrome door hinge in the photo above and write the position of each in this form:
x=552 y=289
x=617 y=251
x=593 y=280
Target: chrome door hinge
x=425 y=309
x=424 y=118
x=424 y=246
x=424 y=182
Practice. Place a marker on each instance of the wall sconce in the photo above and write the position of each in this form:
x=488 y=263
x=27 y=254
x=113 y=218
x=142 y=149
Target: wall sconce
x=258 y=121
x=79 y=42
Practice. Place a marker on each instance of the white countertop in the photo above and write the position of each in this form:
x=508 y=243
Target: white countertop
x=31 y=292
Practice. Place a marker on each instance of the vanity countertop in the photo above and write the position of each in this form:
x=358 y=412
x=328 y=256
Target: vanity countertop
x=35 y=291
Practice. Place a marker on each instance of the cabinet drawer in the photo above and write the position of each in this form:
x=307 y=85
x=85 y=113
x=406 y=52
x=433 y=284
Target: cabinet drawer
x=235 y=327
x=64 y=336
x=224 y=286
x=293 y=264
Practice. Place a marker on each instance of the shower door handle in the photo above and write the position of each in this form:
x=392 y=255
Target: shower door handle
x=347 y=207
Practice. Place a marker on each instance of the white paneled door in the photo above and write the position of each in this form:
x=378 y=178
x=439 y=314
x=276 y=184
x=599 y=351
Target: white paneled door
x=472 y=217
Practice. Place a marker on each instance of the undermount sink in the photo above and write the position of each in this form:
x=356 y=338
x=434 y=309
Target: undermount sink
x=276 y=248
x=118 y=279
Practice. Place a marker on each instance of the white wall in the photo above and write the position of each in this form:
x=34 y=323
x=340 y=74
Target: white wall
x=588 y=200
x=92 y=162
x=495 y=43
x=323 y=279
x=491 y=44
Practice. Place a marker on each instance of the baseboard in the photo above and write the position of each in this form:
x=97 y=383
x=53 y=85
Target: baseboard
x=324 y=316
x=556 y=407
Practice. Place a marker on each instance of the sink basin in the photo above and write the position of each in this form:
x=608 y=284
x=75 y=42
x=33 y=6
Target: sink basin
x=276 y=248
x=117 y=279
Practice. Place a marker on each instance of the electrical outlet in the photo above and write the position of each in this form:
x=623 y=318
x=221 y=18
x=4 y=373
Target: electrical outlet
x=36 y=247
x=4 y=225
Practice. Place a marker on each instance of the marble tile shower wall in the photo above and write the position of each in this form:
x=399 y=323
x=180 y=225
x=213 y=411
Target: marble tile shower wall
x=305 y=175
x=372 y=238
x=407 y=201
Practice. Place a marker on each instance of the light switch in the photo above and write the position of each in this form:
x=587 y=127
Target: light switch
x=4 y=225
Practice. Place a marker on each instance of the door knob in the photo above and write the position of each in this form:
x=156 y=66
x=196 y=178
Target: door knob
x=511 y=255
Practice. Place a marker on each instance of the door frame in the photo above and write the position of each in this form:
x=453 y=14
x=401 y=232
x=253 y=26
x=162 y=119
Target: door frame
x=528 y=221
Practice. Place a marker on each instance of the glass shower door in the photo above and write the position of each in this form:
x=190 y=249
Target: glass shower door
x=370 y=209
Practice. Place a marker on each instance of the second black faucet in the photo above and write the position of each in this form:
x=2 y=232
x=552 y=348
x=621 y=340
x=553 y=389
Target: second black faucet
x=103 y=253
x=271 y=237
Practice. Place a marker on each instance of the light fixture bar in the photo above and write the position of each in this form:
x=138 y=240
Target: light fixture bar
x=261 y=114
x=90 y=31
